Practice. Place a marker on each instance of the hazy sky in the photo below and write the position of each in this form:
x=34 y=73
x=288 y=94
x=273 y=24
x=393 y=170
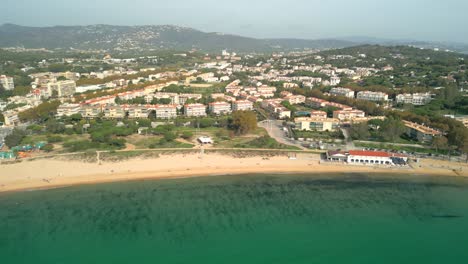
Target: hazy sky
x=441 y=20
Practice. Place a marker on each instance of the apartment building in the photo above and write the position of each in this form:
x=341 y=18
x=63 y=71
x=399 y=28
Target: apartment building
x=219 y=108
x=420 y=132
x=114 y=111
x=138 y=111
x=317 y=124
x=68 y=109
x=414 y=99
x=340 y=91
x=318 y=114
x=62 y=88
x=372 y=96
x=7 y=82
x=295 y=99
x=90 y=111
x=11 y=118
x=344 y=115
x=165 y=111
x=195 y=110
x=316 y=102
x=242 y=105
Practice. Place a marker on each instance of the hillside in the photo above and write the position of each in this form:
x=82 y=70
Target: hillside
x=107 y=37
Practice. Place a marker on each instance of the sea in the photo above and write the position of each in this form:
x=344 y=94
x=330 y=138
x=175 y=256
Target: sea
x=345 y=218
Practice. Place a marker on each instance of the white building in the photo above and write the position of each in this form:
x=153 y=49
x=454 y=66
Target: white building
x=63 y=88
x=219 y=108
x=90 y=111
x=138 y=111
x=68 y=109
x=7 y=82
x=242 y=105
x=375 y=157
x=166 y=111
x=334 y=80
x=340 y=91
x=372 y=96
x=195 y=110
x=343 y=115
x=317 y=124
x=414 y=99
x=114 y=111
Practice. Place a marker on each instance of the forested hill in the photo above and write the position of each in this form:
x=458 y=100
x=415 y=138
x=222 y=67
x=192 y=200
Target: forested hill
x=108 y=37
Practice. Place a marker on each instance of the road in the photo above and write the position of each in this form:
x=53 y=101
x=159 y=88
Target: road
x=275 y=130
x=348 y=140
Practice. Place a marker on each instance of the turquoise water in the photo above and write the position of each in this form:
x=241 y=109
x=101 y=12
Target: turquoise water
x=239 y=219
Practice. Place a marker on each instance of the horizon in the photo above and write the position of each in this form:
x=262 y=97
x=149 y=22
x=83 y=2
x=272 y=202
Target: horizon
x=401 y=20
x=350 y=38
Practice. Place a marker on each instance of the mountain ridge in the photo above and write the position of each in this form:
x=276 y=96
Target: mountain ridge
x=159 y=37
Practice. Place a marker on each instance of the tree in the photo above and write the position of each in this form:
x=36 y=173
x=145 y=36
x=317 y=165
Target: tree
x=15 y=138
x=2 y=117
x=169 y=136
x=21 y=90
x=392 y=129
x=48 y=148
x=359 y=131
x=40 y=112
x=54 y=127
x=187 y=135
x=243 y=122
x=440 y=143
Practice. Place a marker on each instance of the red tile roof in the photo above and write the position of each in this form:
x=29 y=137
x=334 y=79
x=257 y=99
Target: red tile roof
x=374 y=153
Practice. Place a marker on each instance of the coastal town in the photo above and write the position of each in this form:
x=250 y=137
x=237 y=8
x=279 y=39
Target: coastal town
x=301 y=101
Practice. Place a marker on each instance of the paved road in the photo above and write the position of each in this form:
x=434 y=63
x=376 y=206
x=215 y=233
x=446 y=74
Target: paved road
x=349 y=142
x=275 y=130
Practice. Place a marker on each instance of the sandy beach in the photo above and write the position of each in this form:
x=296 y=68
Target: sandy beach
x=51 y=173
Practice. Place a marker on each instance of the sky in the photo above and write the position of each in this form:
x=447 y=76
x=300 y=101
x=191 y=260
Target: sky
x=432 y=20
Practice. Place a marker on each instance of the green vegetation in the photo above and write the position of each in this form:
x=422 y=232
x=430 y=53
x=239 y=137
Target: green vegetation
x=15 y=138
x=243 y=122
x=41 y=112
x=325 y=135
x=265 y=142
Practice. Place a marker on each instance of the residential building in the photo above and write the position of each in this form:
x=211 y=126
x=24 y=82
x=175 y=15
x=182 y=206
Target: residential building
x=372 y=96
x=319 y=114
x=166 y=111
x=11 y=118
x=335 y=80
x=316 y=102
x=62 y=88
x=90 y=111
x=290 y=85
x=114 y=111
x=295 y=99
x=219 y=108
x=138 y=111
x=242 y=105
x=414 y=99
x=340 y=91
x=317 y=124
x=420 y=132
x=195 y=110
x=68 y=109
x=343 y=115
x=7 y=82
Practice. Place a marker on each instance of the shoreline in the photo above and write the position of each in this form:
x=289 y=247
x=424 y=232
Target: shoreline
x=50 y=174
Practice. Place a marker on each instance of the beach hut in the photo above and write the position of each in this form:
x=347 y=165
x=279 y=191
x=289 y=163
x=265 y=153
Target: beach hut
x=7 y=155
